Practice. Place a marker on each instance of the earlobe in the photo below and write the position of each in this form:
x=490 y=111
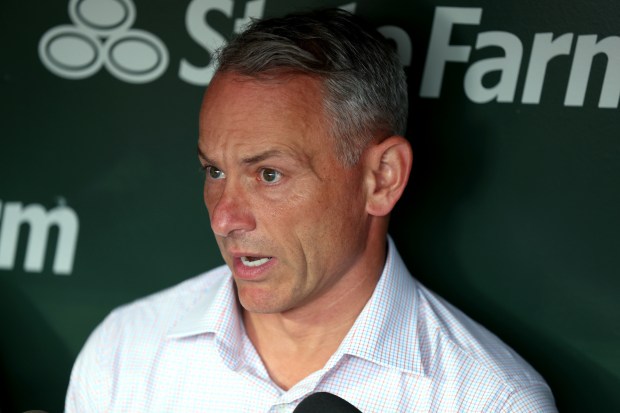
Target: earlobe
x=388 y=167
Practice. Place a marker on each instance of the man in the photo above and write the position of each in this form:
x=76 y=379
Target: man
x=301 y=140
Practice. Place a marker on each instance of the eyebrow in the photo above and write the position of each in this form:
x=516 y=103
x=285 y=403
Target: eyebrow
x=262 y=156
x=204 y=157
x=250 y=160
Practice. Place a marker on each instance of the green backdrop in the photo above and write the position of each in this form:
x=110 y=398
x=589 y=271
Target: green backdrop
x=511 y=212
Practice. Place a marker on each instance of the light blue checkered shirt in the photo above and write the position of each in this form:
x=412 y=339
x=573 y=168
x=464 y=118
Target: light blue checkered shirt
x=185 y=350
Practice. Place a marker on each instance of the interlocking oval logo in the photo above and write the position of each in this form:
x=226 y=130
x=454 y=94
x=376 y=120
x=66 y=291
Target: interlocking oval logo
x=135 y=56
x=70 y=52
x=104 y=17
x=102 y=36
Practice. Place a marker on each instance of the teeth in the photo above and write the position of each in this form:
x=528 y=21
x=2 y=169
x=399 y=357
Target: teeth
x=254 y=263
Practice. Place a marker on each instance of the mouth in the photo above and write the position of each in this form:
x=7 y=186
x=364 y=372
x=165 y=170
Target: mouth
x=249 y=261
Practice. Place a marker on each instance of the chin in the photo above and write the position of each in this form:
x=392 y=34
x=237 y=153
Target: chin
x=255 y=302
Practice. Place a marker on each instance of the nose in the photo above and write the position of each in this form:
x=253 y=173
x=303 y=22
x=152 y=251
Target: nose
x=230 y=210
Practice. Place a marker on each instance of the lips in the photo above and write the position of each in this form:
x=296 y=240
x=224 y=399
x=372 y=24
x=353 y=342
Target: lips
x=249 y=261
x=250 y=266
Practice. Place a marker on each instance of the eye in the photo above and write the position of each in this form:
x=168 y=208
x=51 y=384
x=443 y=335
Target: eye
x=215 y=173
x=270 y=175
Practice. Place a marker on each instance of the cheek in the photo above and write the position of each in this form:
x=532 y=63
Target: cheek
x=210 y=195
x=205 y=198
x=295 y=205
x=346 y=212
x=205 y=194
x=322 y=218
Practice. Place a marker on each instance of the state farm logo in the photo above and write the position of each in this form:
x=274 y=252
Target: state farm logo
x=101 y=35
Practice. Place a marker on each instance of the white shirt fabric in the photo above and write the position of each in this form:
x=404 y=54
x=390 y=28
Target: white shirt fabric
x=185 y=350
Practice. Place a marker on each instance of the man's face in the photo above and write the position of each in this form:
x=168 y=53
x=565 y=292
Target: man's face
x=289 y=218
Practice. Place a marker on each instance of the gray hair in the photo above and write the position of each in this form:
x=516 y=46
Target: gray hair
x=364 y=83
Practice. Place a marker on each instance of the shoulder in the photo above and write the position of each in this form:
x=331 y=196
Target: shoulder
x=129 y=340
x=144 y=323
x=168 y=304
x=463 y=353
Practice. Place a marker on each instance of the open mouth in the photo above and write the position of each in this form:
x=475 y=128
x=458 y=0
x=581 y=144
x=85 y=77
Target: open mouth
x=254 y=261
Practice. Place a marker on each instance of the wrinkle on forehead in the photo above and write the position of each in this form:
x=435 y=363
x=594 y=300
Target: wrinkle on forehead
x=251 y=156
x=243 y=118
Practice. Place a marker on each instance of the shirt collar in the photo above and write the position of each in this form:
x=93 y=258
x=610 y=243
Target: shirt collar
x=216 y=312
x=384 y=332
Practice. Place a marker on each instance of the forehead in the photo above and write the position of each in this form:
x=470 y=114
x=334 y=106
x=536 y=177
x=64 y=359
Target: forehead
x=240 y=113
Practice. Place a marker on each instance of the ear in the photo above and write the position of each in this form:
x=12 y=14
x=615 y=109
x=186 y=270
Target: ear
x=388 y=165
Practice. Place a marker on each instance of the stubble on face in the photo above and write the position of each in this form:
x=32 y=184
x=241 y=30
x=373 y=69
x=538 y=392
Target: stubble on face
x=311 y=224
